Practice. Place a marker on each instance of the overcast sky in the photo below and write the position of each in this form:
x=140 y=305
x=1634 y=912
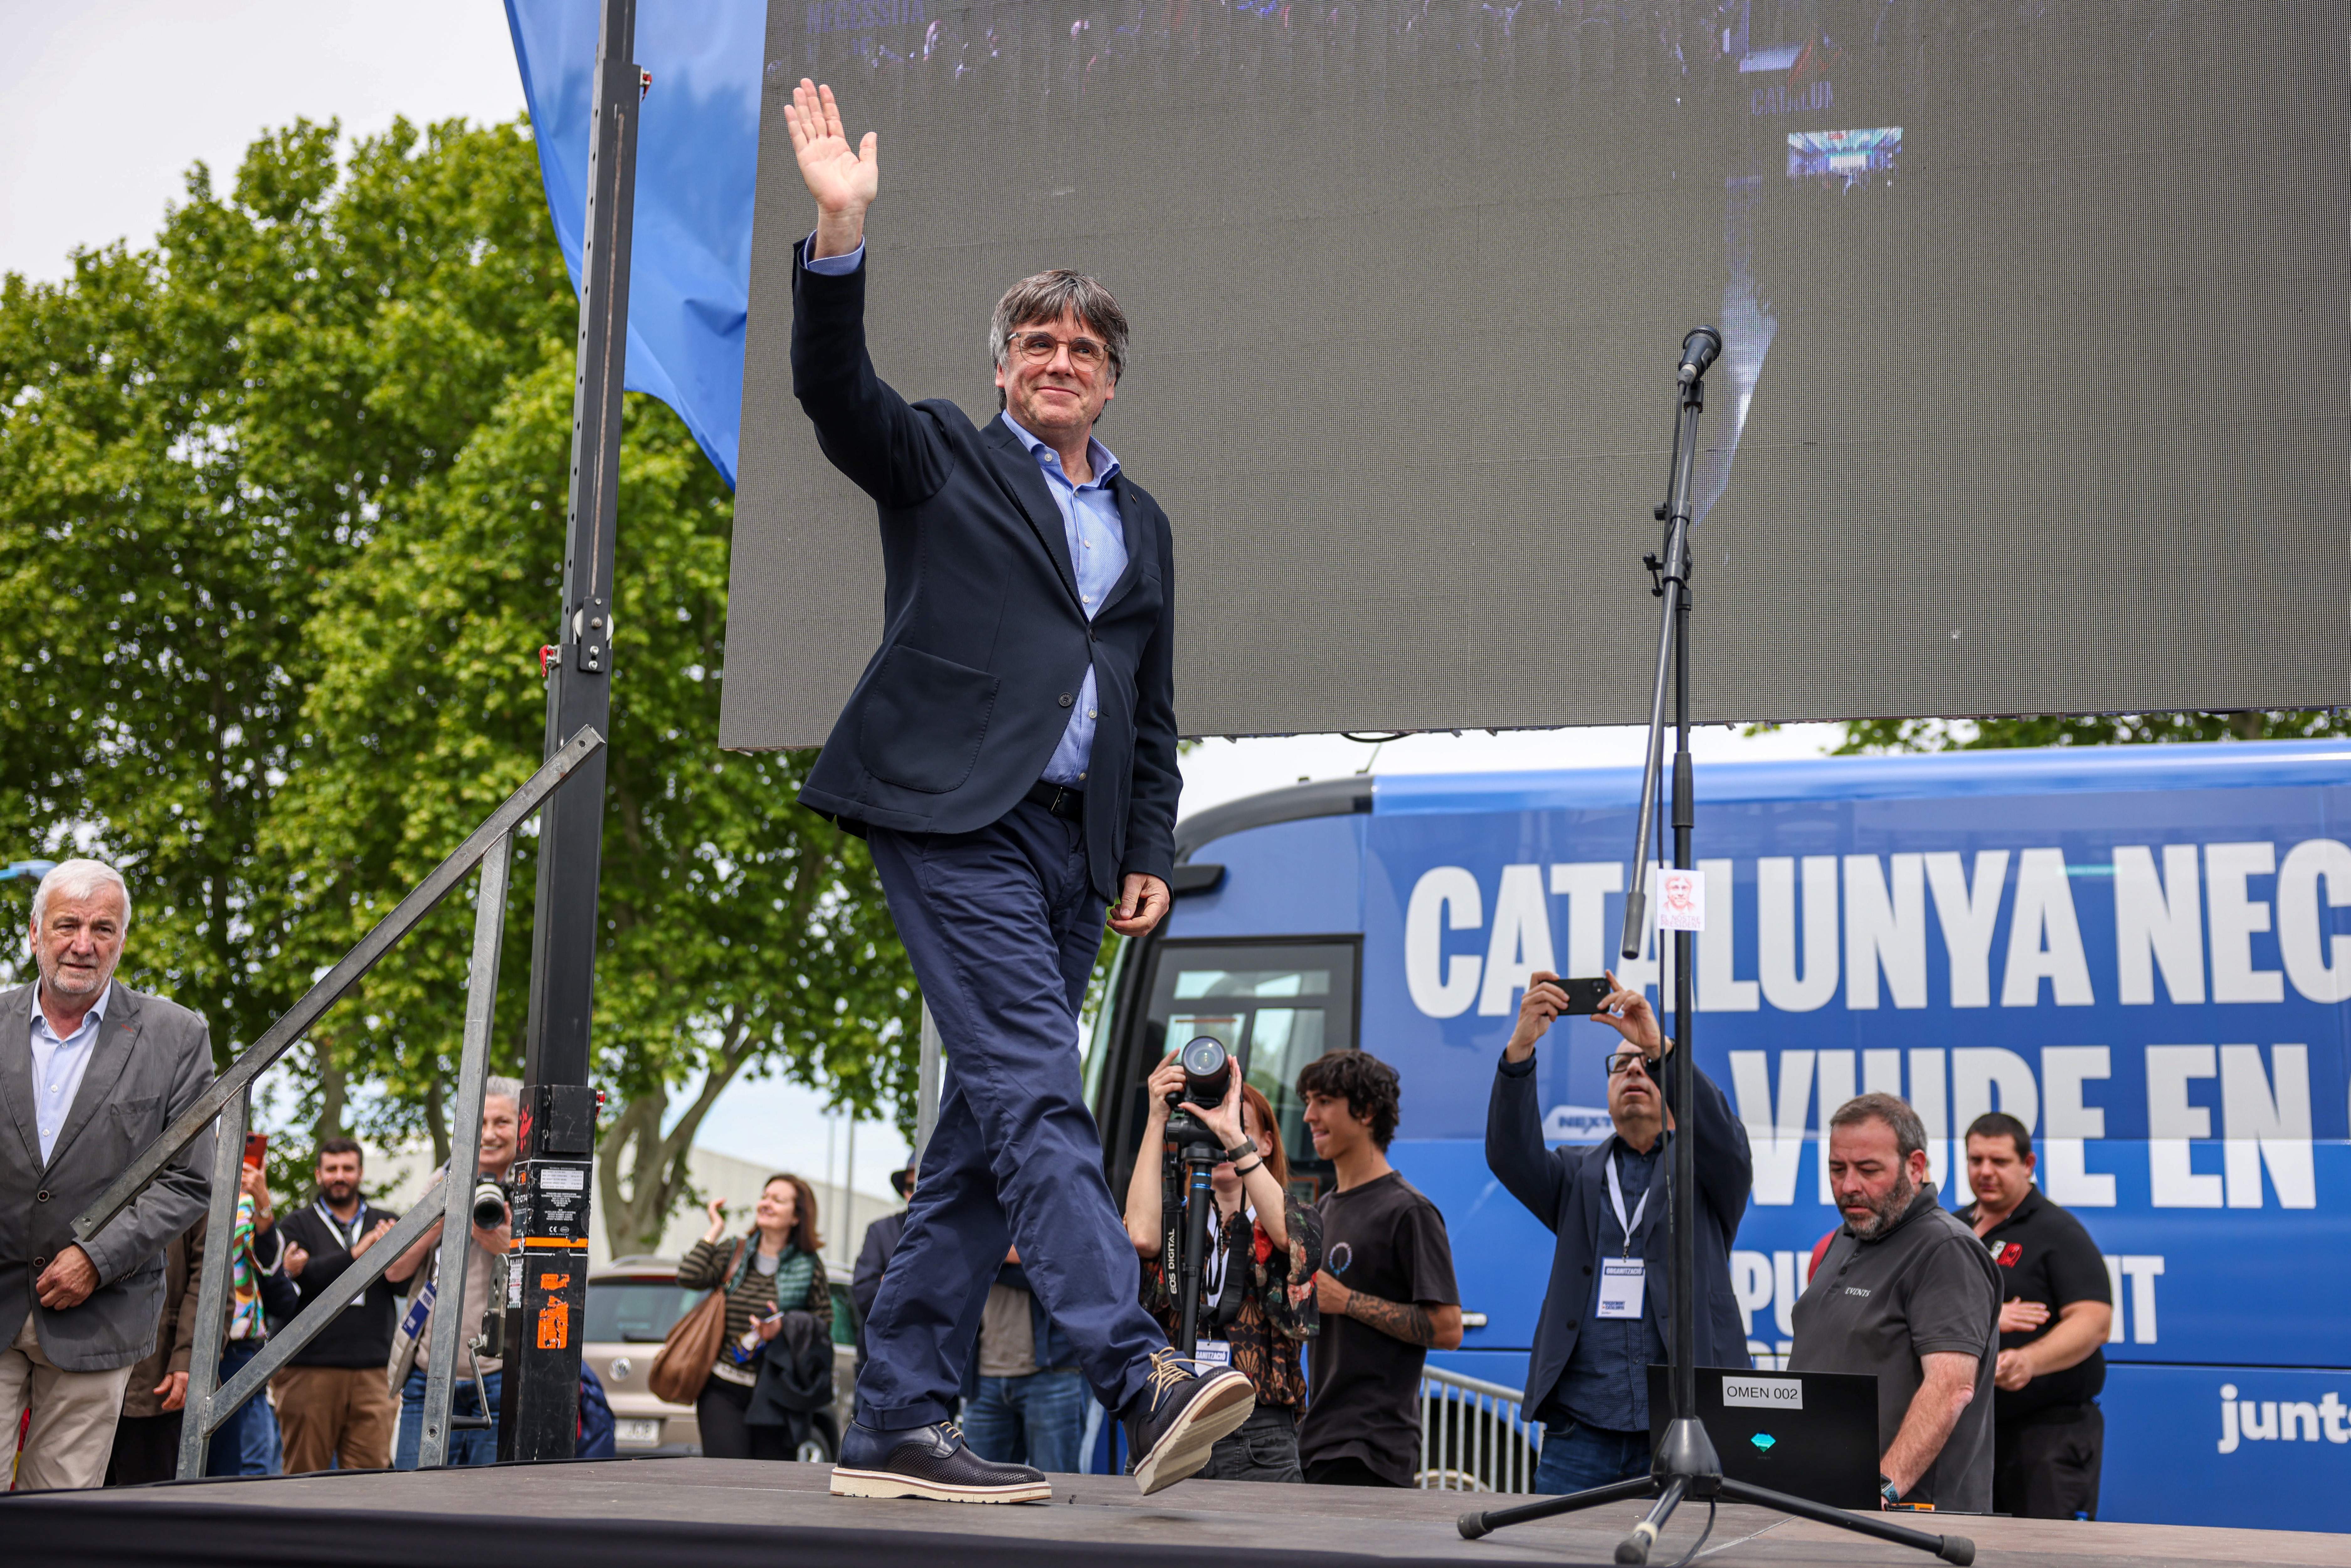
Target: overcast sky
x=104 y=105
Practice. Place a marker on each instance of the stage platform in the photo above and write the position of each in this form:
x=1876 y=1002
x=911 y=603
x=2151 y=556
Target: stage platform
x=718 y=1513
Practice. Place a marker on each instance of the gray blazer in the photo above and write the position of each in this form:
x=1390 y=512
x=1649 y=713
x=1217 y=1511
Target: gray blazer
x=152 y=1059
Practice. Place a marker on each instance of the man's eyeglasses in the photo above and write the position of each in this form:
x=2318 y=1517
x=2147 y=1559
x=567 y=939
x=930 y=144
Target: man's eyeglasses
x=1036 y=347
x=1623 y=1060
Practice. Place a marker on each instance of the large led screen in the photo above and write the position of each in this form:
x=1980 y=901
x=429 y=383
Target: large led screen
x=2036 y=394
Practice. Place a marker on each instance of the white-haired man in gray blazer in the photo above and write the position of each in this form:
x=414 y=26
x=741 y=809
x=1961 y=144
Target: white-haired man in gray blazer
x=91 y=1073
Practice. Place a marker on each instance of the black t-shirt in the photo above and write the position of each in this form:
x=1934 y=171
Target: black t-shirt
x=2045 y=1256
x=361 y=1334
x=1384 y=1239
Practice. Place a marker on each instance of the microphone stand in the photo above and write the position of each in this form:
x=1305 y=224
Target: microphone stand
x=1685 y=1466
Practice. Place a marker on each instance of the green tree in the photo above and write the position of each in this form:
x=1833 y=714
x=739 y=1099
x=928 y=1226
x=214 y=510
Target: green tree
x=194 y=438
x=1882 y=734
x=281 y=517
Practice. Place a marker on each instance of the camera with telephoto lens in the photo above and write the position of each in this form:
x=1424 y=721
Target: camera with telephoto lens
x=489 y=1204
x=1191 y=1151
x=1207 y=1071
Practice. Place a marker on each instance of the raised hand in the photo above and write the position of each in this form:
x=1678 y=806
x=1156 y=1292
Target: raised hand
x=843 y=179
x=1166 y=1079
x=1627 y=1012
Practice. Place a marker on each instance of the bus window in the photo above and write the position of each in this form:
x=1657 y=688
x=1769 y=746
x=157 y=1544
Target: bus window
x=1276 y=1006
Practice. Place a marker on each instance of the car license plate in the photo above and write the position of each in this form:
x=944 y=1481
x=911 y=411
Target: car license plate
x=647 y=1432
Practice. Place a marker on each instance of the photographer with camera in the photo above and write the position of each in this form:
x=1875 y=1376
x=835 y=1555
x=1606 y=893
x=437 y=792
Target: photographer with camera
x=485 y=1273
x=1255 y=1298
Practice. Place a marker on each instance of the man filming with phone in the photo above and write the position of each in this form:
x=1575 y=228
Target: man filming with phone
x=1610 y=1292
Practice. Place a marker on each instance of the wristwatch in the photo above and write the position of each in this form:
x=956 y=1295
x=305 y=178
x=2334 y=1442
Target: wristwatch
x=1240 y=1151
x=1889 y=1490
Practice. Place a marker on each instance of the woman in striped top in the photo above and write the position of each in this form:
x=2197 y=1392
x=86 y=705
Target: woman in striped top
x=777 y=1263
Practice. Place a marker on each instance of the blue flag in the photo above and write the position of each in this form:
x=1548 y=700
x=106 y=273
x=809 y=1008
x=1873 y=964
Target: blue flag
x=697 y=169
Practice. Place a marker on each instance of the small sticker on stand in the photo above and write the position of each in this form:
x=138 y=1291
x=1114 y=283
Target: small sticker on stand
x=1681 y=900
x=555 y=1326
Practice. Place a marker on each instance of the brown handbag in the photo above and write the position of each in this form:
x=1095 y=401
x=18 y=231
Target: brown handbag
x=683 y=1363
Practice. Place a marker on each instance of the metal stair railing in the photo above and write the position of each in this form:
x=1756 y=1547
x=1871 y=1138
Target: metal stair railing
x=228 y=1103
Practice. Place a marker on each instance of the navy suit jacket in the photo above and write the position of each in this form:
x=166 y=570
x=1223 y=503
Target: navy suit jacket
x=1567 y=1188
x=985 y=642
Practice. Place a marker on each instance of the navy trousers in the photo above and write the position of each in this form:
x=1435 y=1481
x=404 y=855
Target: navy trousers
x=1002 y=932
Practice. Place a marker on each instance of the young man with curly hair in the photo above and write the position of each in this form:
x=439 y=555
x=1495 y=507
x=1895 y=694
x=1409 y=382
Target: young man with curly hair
x=1385 y=1288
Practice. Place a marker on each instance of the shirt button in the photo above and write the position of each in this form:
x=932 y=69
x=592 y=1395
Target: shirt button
x=1091 y=712
x=1066 y=699
x=1081 y=777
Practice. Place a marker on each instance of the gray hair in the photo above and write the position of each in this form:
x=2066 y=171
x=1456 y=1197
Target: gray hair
x=1049 y=296
x=1909 y=1133
x=497 y=1085
x=79 y=879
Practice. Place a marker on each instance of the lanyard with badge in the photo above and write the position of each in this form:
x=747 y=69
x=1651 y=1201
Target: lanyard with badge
x=335 y=1229
x=1213 y=1272
x=1623 y=1280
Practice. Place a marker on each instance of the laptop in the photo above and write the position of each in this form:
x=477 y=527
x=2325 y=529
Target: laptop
x=1810 y=1434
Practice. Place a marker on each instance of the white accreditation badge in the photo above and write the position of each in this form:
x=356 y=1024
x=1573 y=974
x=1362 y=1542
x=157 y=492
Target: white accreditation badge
x=1623 y=1281
x=1215 y=1352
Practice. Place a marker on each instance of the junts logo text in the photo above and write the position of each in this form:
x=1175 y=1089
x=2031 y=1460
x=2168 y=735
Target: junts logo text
x=2284 y=1421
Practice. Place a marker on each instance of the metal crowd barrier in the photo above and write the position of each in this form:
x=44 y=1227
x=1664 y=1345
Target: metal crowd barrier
x=1473 y=1436
x=229 y=1104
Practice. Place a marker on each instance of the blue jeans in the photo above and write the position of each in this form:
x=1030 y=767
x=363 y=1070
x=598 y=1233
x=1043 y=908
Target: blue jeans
x=1039 y=1420
x=247 y=1444
x=1002 y=930
x=465 y=1446
x=1576 y=1457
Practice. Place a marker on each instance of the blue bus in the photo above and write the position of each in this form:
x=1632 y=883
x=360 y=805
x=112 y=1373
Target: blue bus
x=2143 y=953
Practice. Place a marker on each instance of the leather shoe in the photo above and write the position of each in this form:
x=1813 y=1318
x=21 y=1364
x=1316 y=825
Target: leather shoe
x=931 y=1462
x=1181 y=1411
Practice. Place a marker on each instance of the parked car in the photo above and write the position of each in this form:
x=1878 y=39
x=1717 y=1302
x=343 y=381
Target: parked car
x=633 y=1303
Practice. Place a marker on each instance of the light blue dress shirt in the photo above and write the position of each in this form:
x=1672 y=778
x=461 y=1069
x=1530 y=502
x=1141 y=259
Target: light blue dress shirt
x=1097 y=546
x=57 y=1068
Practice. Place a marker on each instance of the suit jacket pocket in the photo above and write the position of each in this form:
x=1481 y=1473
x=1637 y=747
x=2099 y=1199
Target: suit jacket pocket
x=924 y=719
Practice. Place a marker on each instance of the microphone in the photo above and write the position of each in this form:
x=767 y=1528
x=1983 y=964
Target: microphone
x=1699 y=351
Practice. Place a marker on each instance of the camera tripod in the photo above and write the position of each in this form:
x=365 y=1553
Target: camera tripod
x=1199 y=1152
x=1686 y=1467
x=1208 y=1071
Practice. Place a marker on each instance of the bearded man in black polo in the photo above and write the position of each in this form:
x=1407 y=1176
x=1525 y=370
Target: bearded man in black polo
x=1906 y=1294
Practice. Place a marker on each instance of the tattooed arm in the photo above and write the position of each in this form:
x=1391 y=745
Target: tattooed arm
x=1437 y=1325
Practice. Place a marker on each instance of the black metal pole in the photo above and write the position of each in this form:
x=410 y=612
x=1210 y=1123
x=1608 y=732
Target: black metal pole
x=1199 y=1197
x=547 y=1288
x=1683 y=1212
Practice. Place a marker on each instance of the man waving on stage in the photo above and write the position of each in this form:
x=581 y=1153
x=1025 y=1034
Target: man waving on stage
x=1009 y=754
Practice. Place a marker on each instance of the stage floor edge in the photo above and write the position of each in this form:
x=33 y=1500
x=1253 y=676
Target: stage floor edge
x=717 y=1514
